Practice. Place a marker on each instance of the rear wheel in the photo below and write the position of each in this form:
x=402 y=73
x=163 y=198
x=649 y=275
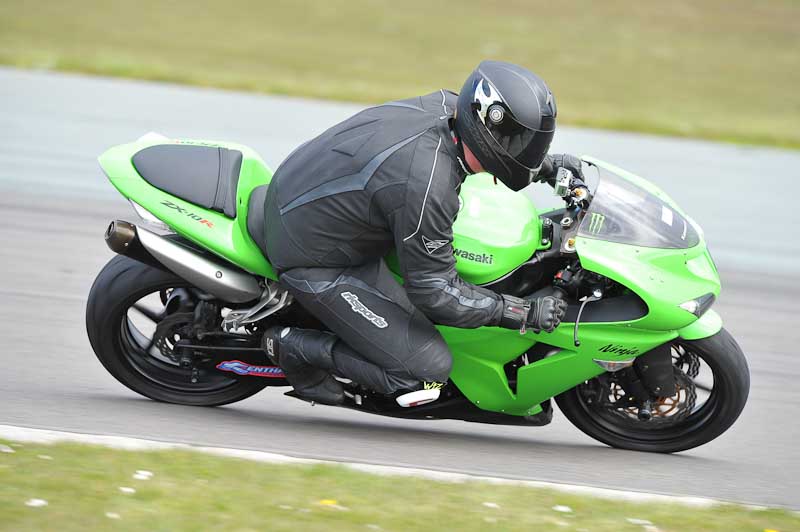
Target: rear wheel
x=134 y=317
x=712 y=380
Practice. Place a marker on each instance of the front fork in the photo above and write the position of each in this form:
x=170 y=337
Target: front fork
x=651 y=377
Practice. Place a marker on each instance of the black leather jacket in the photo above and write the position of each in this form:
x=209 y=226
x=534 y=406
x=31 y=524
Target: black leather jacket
x=386 y=178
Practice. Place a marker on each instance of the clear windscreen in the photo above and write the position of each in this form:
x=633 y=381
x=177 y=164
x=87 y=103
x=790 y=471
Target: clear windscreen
x=628 y=214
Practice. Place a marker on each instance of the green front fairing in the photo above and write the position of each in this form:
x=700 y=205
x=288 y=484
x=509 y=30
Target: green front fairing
x=663 y=278
x=227 y=238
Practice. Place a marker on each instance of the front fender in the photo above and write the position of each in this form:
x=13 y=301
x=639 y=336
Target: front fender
x=707 y=325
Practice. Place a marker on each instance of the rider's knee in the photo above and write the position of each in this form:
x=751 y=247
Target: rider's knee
x=433 y=361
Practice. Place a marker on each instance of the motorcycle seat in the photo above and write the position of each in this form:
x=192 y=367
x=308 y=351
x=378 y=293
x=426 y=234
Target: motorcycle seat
x=255 y=217
x=203 y=175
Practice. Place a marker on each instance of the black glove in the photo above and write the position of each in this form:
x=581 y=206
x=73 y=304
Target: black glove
x=540 y=314
x=579 y=192
x=552 y=163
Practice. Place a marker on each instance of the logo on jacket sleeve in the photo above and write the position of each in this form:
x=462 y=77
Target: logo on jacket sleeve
x=360 y=308
x=433 y=245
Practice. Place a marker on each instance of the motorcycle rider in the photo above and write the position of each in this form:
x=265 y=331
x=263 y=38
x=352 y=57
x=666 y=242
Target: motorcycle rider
x=388 y=178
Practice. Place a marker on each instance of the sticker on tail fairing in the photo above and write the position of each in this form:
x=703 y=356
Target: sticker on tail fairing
x=243 y=368
x=188 y=214
x=359 y=308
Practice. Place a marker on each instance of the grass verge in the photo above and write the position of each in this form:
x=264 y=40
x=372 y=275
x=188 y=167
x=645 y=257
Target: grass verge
x=81 y=486
x=718 y=69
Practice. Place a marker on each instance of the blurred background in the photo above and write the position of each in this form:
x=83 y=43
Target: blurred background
x=721 y=69
x=699 y=96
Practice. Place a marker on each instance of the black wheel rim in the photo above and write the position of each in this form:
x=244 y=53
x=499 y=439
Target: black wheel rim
x=627 y=426
x=143 y=356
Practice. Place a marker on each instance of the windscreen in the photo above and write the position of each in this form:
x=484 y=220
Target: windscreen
x=626 y=213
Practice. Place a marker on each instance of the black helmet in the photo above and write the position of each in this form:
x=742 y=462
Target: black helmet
x=506 y=115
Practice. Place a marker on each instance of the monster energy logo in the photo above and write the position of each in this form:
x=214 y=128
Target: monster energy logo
x=596 y=222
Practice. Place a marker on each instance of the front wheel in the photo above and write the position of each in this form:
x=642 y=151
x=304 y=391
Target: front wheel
x=712 y=380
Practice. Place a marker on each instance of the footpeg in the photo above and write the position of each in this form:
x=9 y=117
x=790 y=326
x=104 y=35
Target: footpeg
x=325 y=397
x=419 y=397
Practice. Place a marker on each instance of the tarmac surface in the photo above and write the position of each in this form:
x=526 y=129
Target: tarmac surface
x=56 y=204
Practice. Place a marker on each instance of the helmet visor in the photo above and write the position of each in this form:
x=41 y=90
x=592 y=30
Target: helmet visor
x=525 y=145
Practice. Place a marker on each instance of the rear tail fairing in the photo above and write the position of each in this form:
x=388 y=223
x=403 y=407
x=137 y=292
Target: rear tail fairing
x=225 y=236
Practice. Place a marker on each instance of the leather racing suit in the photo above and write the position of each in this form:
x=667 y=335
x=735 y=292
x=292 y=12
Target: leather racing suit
x=387 y=178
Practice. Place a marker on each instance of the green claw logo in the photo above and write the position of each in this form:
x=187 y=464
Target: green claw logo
x=596 y=222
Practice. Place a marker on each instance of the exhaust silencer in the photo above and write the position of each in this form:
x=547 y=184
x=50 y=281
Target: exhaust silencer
x=205 y=271
x=121 y=238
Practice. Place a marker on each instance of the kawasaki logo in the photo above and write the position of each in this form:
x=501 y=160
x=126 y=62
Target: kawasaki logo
x=596 y=222
x=483 y=258
x=359 y=308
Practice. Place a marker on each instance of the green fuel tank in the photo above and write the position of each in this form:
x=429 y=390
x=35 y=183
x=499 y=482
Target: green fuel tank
x=496 y=230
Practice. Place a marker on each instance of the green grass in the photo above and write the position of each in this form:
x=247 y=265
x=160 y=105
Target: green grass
x=194 y=491
x=718 y=69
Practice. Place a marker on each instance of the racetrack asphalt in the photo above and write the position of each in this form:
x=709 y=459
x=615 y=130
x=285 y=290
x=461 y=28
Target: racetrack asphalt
x=56 y=204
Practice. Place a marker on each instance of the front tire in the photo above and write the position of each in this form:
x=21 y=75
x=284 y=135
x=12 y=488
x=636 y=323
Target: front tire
x=119 y=285
x=726 y=400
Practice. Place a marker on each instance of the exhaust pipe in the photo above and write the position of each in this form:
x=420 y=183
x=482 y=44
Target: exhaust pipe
x=224 y=281
x=121 y=238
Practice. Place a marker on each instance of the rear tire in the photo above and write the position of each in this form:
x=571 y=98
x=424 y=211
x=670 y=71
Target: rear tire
x=120 y=284
x=730 y=390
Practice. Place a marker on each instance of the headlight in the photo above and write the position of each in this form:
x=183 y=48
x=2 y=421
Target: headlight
x=149 y=218
x=698 y=306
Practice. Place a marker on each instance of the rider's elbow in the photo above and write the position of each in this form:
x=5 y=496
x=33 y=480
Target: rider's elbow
x=444 y=309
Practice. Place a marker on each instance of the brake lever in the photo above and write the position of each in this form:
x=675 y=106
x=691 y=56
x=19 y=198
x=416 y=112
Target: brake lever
x=597 y=295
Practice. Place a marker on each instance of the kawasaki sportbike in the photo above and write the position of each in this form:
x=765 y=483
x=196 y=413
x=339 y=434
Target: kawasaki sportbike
x=640 y=362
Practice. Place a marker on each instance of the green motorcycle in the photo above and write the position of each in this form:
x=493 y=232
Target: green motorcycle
x=640 y=362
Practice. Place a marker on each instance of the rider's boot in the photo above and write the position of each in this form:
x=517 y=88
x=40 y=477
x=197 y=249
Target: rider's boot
x=305 y=358
x=424 y=393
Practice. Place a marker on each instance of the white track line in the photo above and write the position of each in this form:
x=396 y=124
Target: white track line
x=29 y=435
